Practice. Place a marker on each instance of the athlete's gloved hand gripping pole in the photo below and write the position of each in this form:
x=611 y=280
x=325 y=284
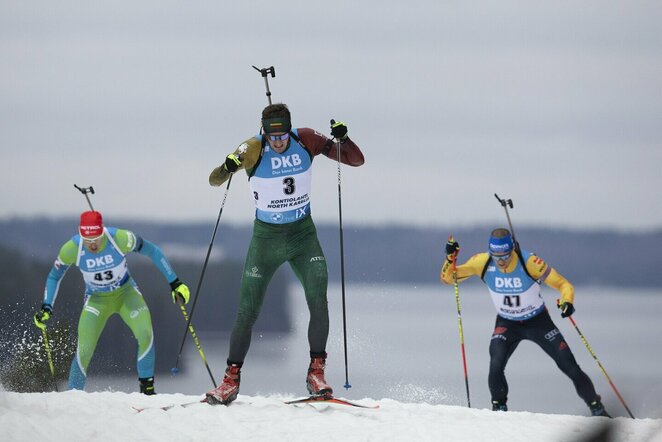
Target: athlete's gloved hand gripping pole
x=40 y=318
x=339 y=132
x=567 y=309
x=452 y=250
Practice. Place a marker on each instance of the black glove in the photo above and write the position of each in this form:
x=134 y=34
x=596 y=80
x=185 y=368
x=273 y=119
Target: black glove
x=567 y=309
x=232 y=163
x=338 y=130
x=452 y=249
x=43 y=315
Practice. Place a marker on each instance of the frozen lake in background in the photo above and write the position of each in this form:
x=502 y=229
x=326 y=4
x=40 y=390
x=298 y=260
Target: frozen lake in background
x=403 y=343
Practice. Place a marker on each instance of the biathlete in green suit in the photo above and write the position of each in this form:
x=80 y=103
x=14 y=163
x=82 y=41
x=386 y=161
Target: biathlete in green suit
x=100 y=255
x=279 y=168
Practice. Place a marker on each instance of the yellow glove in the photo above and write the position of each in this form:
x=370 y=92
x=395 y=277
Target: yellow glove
x=180 y=291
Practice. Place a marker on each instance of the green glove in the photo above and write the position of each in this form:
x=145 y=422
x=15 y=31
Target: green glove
x=43 y=315
x=180 y=291
x=232 y=163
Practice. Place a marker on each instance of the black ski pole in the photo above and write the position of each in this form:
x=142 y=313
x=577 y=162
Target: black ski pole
x=175 y=369
x=265 y=74
x=85 y=191
x=342 y=266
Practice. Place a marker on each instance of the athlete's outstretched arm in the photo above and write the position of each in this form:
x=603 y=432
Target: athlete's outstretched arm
x=316 y=143
x=473 y=267
x=247 y=153
x=542 y=271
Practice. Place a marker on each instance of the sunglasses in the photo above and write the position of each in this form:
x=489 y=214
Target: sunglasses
x=505 y=257
x=283 y=137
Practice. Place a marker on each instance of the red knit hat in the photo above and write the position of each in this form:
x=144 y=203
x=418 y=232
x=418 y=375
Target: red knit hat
x=91 y=224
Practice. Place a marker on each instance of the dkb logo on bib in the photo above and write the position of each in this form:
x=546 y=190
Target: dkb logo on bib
x=285 y=161
x=101 y=261
x=508 y=283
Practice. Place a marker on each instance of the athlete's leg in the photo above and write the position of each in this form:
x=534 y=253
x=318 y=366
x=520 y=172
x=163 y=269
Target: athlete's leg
x=96 y=311
x=265 y=254
x=544 y=333
x=505 y=340
x=136 y=315
x=310 y=267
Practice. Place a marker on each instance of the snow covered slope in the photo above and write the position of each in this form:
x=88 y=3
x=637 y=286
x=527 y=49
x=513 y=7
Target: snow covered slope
x=109 y=416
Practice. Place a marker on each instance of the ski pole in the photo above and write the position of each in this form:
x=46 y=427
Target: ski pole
x=459 y=324
x=265 y=72
x=85 y=191
x=590 y=350
x=197 y=342
x=175 y=369
x=342 y=266
x=47 y=347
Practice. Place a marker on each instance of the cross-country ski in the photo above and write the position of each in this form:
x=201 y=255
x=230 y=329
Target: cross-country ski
x=330 y=400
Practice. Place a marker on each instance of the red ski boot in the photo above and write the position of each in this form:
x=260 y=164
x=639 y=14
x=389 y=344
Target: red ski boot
x=315 y=381
x=227 y=391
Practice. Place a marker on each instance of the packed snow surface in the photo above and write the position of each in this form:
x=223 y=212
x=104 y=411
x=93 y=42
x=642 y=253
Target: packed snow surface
x=111 y=416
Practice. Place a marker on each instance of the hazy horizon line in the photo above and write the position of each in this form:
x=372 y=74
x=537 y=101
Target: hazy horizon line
x=390 y=224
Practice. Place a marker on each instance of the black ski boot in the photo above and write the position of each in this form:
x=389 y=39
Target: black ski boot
x=147 y=386
x=597 y=409
x=499 y=406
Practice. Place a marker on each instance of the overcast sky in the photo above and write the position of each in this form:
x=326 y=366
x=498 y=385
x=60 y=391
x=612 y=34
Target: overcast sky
x=557 y=105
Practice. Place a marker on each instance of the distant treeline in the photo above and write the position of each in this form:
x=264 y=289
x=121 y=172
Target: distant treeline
x=388 y=254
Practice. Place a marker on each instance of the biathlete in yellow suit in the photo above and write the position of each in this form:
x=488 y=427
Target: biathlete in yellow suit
x=513 y=278
x=99 y=253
